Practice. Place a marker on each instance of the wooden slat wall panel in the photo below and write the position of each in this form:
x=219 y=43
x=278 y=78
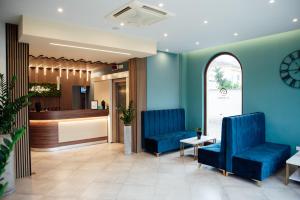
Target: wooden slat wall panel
x=137 y=94
x=17 y=64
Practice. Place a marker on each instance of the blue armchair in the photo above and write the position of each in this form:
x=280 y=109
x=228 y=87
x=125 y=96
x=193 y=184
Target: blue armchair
x=247 y=153
x=214 y=154
x=163 y=129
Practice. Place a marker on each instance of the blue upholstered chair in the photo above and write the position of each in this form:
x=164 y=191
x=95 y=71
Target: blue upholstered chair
x=163 y=129
x=247 y=152
x=243 y=149
x=214 y=154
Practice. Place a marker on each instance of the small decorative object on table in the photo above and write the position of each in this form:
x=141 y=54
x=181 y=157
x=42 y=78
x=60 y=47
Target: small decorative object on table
x=103 y=104
x=94 y=105
x=199 y=133
x=38 y=106
x=128 y=115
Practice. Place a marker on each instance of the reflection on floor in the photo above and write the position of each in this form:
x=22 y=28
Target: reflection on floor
x=102 y=172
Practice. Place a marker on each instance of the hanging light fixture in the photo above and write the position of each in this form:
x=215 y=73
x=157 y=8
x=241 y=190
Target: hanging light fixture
x=74 y=72
x=58 y=83
x=59 y=72
x=87 y=75
x=36 y=70
x=45 y=71
x=79 y=73
x=52 y=69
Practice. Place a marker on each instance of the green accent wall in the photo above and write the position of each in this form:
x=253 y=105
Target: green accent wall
x=163 y=81
x=263 y=89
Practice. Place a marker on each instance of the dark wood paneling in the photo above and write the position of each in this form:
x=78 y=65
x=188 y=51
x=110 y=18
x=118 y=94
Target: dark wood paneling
x=137 y=94
x=43 y=134
x=67 y=114
x=17 y=63
x=65 y=101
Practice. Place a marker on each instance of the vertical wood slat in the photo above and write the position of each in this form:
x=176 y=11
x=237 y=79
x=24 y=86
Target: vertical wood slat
x=17 y=64
x=137 y=94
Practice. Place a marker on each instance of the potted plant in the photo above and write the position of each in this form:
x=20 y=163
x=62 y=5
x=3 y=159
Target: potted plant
x=9 y=135
x=199 y=133
x=127 y=116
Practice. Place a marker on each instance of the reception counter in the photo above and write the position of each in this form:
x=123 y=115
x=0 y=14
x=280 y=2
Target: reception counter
x=54 y=130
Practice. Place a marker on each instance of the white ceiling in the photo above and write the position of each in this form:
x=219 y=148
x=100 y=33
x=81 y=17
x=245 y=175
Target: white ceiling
x=250 y=19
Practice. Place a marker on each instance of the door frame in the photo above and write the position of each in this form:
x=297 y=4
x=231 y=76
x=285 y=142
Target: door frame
x=205 y=84
x=114 y=109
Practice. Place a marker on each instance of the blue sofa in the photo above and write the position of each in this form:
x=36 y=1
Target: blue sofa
x=163 y=129
x=214 y=154
x=243 y=149
x=247 y=152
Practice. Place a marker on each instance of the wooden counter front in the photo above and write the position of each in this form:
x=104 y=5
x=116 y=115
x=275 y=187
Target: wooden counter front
x=44 y=127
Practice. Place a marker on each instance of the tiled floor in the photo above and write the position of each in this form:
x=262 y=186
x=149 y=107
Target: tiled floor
x=102 y=172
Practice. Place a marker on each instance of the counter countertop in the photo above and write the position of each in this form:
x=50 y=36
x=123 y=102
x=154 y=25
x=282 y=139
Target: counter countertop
x=67 y=114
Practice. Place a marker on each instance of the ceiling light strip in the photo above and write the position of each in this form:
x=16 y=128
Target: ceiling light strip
x=87 y=48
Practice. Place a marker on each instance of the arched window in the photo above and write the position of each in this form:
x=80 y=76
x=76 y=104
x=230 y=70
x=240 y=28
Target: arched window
x=223 y=91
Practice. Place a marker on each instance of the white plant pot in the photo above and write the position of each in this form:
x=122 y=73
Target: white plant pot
x=9 y=174
x=127 y=140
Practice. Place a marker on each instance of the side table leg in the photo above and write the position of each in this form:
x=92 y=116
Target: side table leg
x=287 y=174
x=196 y=152
x=181 y=149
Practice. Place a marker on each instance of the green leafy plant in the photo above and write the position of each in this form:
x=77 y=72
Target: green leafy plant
x=199 y=129
x=128 y=114
x=223 y=82
x=9 y=108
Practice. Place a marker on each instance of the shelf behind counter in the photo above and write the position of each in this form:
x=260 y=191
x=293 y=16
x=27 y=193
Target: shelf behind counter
x=54 y=130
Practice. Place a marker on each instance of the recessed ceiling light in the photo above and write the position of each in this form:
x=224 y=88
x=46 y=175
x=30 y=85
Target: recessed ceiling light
x=60 y=10
x=295 y=20
x=165 y=34
x=87 y=48
x=205 y=22
x=161 y=5
x=197 y=43
x=167 y=50
x=271 y=1
x=235 y=34
x=122 y=24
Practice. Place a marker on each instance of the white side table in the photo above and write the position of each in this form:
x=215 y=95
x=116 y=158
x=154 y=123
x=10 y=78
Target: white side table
x=294 y=160
x=195 y=143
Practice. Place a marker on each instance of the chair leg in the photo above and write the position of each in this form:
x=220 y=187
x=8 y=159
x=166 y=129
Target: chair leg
x=258 y=183
x=225 y=173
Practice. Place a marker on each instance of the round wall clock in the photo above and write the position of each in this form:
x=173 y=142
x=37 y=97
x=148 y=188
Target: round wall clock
x=290 y=69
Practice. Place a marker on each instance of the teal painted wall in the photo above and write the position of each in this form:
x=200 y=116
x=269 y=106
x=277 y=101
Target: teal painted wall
x=163 y=81
x=263 y=89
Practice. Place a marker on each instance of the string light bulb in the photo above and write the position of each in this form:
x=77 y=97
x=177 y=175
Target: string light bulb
x=67 y=73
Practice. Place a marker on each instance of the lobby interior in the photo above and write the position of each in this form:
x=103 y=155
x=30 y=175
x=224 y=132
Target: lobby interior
x=214 y=88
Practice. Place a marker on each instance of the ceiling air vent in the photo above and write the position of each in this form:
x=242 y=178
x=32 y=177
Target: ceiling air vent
x=136 y=13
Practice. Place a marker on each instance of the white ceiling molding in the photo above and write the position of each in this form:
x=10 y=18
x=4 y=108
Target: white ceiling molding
x=81 y=43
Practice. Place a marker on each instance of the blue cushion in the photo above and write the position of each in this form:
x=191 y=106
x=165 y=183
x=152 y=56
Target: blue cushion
x=211 y=155
x=167 y=141
x=260 y=161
